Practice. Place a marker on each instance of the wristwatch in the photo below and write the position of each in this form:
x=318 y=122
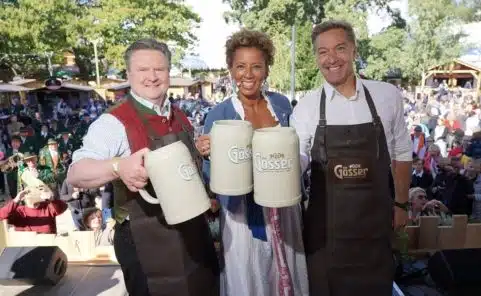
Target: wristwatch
x=403 y=205
x=115 y=166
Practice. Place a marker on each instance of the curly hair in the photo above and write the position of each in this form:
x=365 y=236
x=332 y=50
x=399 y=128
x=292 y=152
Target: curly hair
x=250 y=38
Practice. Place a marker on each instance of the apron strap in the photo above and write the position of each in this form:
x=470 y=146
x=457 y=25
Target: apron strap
x=320 y=141
x=321 y=127
x=376 y=120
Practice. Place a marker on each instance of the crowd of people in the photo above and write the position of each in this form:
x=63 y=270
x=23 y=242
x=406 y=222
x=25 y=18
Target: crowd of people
x=36 y=150
x=446 y=137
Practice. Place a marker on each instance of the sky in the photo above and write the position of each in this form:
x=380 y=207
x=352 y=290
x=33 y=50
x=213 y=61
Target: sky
x=213 y=31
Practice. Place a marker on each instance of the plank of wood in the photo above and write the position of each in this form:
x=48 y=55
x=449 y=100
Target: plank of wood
x=445 y=238
x=428 y=232
x=473 y=236
x=460 y=223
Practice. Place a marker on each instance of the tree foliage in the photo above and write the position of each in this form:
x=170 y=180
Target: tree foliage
x=32 y=27
x=428 y=38
x=431 y=37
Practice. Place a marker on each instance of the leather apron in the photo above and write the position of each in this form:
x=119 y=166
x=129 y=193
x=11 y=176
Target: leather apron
x=348 y=222
x=178 y=260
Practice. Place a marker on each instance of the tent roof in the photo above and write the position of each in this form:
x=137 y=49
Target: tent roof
x=174 y=82
x=5 y=87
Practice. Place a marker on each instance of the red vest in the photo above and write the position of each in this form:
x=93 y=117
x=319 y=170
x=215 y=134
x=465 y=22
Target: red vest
x=126 y=113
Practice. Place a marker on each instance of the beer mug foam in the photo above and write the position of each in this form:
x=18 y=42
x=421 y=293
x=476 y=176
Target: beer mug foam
x=277 y=169
x=231 y=157
x=176 y=182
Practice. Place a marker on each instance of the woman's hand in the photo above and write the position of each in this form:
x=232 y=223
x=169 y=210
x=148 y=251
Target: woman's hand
x=203 y=145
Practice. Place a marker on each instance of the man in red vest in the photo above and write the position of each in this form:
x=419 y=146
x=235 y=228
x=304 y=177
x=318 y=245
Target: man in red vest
x=156 y=258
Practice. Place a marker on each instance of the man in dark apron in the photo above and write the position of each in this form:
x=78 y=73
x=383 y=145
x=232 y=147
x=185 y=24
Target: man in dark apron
x=349 y=218
x=157 y=259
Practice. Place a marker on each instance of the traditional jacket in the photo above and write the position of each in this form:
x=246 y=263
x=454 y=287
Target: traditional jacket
x=55 y=165
x=137 y=137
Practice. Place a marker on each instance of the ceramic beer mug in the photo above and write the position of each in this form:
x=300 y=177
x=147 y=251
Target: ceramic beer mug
x=176 y=182
x=231 y=157
x=277 y=169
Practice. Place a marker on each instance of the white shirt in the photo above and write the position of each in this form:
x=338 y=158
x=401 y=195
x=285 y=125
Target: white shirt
x=107 y=138
x=240 y=109
x=420 y=175
x=472 y=123
x=343 y=111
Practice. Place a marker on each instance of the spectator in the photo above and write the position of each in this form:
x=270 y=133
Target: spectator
x=37 y=213
x=420 y=206
x=104 y=236
x=420 y=177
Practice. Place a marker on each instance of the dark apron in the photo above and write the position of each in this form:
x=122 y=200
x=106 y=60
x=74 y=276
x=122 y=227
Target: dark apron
x=178 y=260
x=348 y=222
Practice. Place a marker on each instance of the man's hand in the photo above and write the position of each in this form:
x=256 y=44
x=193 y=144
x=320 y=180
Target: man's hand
x=132 y=171
x=203 y=145
x=400 y=218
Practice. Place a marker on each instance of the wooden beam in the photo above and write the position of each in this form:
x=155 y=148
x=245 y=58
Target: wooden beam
x=452 y=72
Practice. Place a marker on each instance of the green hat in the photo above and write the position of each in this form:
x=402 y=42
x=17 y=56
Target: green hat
x=28 y=155
x=51 y=142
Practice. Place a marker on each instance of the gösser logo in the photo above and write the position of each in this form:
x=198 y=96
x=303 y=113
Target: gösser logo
x=274 y=162
x=238 y=155
x=187 y=171
x=353 y=171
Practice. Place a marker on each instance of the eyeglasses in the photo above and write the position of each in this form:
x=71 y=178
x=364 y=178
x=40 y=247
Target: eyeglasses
x=422 y=196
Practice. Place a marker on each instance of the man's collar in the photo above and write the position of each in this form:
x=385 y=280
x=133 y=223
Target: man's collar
x=163 y=110
x=420 y=175
x=331 y=91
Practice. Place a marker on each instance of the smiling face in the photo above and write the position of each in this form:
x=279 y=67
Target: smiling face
x=249 y=70
x=335 y=55
x=148 y=74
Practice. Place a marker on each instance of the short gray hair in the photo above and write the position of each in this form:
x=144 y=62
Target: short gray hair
x=331 y=25
x=147 y=44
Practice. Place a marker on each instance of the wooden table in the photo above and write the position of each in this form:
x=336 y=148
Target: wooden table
x=80 y=280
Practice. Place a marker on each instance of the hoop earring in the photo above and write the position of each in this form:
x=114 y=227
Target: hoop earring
x=233 y=86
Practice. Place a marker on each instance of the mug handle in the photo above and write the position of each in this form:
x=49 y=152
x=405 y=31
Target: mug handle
x=148 y=198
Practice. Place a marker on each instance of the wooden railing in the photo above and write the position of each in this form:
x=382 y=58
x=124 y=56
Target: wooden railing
x=429 y=236
x=79 y=246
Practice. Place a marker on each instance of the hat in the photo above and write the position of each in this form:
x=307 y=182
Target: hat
x=418 y=128
x=28 y=155
x=51 y=142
